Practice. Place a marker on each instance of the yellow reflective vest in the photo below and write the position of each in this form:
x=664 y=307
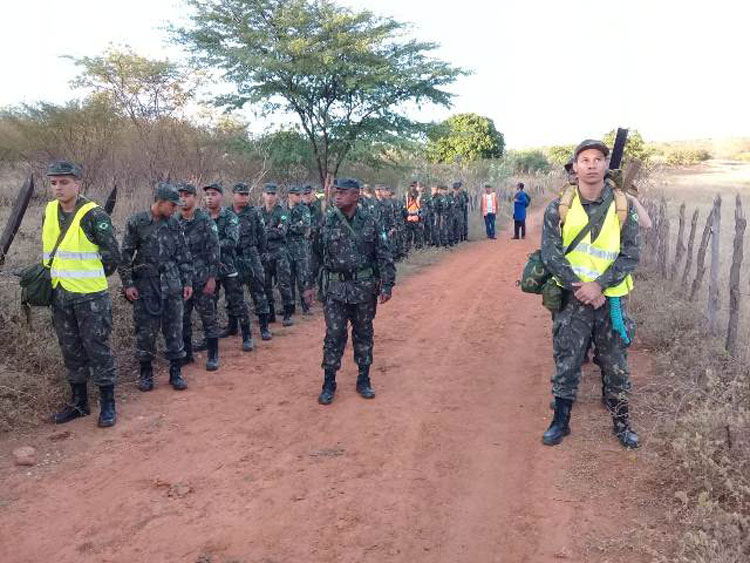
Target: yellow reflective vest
x=77 y=265
x=590 y=260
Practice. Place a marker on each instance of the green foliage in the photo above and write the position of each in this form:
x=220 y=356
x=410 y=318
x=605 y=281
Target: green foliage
x=138 y=88
x=465 y=137
x=559 y=154
x=685 y=156
x=635 y=147
x=289 y=154
x=346 y=75
x=529 y=161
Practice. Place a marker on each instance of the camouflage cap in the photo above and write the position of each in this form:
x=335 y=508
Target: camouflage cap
x=346 y=184
x=214 y=186
x=591 y=144
x=270 y=188
x=569 y=165
x=186 y=187
x=392 y=189
x=307 y=189
x=457 y=185
x=167 y=192
x=295 y=190
x=64 y=168
x=241 y=188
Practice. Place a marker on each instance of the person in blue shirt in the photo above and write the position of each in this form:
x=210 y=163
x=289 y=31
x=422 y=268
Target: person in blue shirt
x=520 y=202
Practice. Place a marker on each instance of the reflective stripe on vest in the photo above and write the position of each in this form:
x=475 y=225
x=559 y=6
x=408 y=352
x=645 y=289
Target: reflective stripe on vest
x=590 y=260
x=77 y=265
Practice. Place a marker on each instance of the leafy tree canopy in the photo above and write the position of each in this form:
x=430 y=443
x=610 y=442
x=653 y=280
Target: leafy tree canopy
x=348 y=76
x=465 y=137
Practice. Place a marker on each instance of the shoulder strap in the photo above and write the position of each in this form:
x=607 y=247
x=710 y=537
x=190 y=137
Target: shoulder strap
x=64 y=231
x=566 y=200
x=345 y=221
x=621 y=206
x=594 y=219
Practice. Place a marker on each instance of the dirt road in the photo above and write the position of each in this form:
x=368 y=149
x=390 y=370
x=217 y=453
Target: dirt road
x=445 y=465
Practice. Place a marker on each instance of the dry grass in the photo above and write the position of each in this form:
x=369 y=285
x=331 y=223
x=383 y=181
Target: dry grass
x=698 y=408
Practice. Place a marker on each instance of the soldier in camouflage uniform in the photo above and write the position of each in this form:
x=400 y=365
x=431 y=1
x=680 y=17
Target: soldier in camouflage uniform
x=367 y=200
x=462 y=204
x=297 y=237
x=315 y=206
x=276 y=258
x=443 y=210
x=228 y=226
x=457 y=215
x=385 y=216
x=202 y=238
x=357 y=264
x=399 y=219
x=157 y=276
x=251 y=247
x=585 y=309
x=81 y=315
x=425 y=199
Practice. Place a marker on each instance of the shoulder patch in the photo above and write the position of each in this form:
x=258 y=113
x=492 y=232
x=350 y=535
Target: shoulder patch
x=103 y=225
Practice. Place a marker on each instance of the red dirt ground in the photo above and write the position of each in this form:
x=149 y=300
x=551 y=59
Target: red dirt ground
x=445 y=465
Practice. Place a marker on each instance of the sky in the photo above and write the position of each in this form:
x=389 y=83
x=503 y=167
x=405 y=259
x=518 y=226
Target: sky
x=546 y=71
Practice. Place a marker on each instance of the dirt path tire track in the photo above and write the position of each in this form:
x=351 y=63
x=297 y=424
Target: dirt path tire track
x=445 y=464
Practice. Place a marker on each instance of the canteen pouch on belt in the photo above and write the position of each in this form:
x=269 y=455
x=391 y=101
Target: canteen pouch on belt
x=535 y=274
x=552 y=296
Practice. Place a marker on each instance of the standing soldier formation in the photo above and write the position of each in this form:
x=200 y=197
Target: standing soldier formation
x=174 y=263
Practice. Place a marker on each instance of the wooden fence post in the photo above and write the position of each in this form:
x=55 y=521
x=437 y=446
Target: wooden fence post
x=701 y=263
x=691 y=244
x=680 y=248
x=734 y=277
x=663 y=234
x=713 y=284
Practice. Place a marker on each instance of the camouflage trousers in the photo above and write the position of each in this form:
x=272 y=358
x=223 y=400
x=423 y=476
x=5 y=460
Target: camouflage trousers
x=299 y=263
x=154 y=312
x=234 y=297
x=465 y=224
x=573 y=328
x=254 y=276
x=83 y=326
x=413 y=235
x=206 y=307
x=277 y=267
x=338 y=315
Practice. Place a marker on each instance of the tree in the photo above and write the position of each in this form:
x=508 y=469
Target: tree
x=530 y=161
x=466 y=136
x=635 y=146
x=560 y=154
x=347 y=76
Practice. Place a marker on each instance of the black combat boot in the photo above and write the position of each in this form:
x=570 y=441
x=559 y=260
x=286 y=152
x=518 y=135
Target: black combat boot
x=364 y=388
x=271 y=313
x=78 y=405
x=146 y=377
x=247 y=338
x=329 y=388
x=187 y=345
x=230 y=329
x=288 y=320
x=560 y=426
x=107 y=414
x=265 y=332
x=212 y=359
x=175 y=376
x=306 y=310
x=621 y=424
